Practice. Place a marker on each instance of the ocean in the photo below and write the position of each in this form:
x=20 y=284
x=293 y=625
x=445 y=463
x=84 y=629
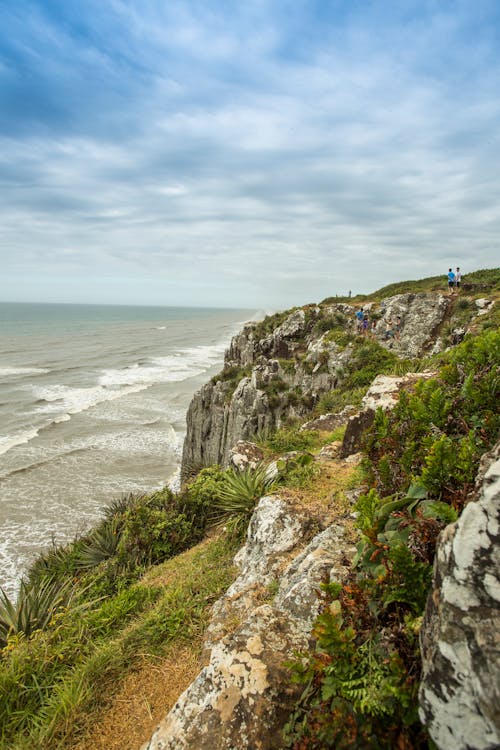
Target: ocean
x=92 y=407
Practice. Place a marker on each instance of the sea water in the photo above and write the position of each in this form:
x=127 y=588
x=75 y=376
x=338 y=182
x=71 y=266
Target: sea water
x=92 y=407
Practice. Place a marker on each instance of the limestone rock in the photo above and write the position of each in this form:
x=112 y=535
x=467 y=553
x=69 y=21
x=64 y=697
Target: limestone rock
x=245 y=455
x=330 y=451
x=460 y=642
x=484 y=305
x=329 y=422
x=327 y=558
x=421 y=316
x=383 y=393
x=243 y=697
x=354 y=431
x=273 y=531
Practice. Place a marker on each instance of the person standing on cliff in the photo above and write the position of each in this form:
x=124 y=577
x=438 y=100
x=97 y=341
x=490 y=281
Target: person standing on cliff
x=451 y=281
x=458 y=278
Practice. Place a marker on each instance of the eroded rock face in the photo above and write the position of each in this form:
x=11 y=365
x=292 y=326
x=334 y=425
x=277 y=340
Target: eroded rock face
x=284 y=373
x=244 y=696
x=420 y=314
x=384 y=394
x=460 y=638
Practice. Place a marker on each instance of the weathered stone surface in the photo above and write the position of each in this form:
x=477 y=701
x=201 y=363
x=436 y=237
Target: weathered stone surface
x=329 y=422
x=330 y=451
x=460 y=637
x=326 y=558
x=384 y=394
x=484 y=305
x=273 y=531
x=421 y=315
x=243 y=697
x=354 y=431
x=245 y=455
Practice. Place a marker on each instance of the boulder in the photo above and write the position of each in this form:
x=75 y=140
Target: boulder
x=245 y=455
x=329 y=422
x=384 y=394
x=484 y=305
x=244 y=696
x=460 y=643
x=330 y=451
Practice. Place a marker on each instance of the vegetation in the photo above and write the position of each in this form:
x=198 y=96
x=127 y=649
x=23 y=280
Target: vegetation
x=362 y=681
x=237 y=498
x=52 y=682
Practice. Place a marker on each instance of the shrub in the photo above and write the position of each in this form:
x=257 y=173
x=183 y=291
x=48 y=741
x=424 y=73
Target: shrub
x=237 y=498
x=292 y=439
x=34 y=608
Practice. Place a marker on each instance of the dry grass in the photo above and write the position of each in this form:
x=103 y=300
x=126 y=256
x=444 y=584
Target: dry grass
x=143 y=699
x=326 y=500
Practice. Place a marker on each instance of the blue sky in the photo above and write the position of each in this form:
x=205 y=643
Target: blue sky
x=258 y=154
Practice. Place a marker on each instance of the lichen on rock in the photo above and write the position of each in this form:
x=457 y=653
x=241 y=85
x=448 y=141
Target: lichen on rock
x=460 y=690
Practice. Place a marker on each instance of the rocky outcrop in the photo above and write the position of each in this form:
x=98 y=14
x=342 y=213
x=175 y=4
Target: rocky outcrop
x=460 y=642
x=421 y=316
x=243 y=697
x=269 y=377
x=384 y=394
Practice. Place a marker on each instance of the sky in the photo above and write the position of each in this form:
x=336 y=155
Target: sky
x=265 y=153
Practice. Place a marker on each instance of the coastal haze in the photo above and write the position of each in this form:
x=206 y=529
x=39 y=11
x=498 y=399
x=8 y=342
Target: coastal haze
x=92 y=406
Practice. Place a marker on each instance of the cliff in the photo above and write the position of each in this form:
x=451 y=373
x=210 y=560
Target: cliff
x=279 y=369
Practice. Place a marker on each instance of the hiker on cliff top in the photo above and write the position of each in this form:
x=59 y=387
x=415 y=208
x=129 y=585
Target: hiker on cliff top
x=359 y=319
x=451 y=281
x=365 y=324
x=458 y=278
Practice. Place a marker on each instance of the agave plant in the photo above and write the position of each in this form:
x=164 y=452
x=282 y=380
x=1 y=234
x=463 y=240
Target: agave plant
x=238 y=496
x=101 y=544
x=34 y=608
x=118 y=506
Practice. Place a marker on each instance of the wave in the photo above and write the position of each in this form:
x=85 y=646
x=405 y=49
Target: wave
x=8 y=372
x=65 y=400
x=183 y=364
x=10 y=441
x=60 y=402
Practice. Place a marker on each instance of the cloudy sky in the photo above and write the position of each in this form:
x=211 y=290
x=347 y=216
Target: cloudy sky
x=258 y=153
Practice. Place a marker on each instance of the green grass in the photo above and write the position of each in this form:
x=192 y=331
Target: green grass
x=50 y=685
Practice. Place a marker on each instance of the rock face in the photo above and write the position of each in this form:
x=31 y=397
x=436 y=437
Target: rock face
x=421 y=316
x=384 y=394
x=271 y=376
x=460 y=637
x=243 y=697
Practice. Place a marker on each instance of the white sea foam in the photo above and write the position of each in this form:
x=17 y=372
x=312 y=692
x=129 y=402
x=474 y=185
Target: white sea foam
x=10 y=441
x=184 y=364
x=63 y=401
x=7 y=372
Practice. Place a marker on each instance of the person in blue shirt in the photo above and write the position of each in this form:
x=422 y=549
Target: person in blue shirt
x=451 y=281
x=359 y=320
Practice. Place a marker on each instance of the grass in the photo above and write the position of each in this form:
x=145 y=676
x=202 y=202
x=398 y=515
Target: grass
x=52 y=686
